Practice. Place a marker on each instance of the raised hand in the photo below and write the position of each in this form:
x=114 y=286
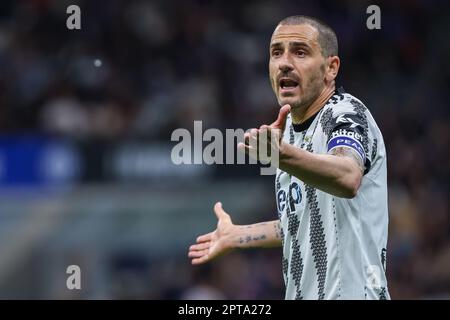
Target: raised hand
x=268 y=135
x=280 y=123
x=216 y=243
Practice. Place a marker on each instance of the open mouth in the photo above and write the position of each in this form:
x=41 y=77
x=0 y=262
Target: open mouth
x=288 y=84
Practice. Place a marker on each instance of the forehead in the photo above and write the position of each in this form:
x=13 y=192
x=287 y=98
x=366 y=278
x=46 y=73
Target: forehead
x=299 y=33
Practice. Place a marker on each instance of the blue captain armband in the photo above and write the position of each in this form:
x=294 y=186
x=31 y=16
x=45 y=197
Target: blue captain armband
x=345 y=141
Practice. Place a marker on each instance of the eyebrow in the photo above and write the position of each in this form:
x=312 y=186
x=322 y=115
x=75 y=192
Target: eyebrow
x=291 y=44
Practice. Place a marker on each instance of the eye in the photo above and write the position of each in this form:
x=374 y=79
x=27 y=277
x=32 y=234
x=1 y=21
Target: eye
x=276 y=53
x=300 y=53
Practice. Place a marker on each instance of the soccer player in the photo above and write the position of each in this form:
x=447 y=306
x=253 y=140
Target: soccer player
x=331 y=188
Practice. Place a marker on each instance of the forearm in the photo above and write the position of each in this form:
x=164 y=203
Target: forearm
x=264 y=234
x=339 y=176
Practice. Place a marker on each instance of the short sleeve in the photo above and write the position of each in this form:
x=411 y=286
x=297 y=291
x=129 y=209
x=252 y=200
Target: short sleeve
x=350 y=130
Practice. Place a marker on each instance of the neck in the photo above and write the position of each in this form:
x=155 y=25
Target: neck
x=300 y=115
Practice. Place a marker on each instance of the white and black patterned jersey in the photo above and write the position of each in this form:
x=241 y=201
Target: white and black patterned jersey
x=335 y=248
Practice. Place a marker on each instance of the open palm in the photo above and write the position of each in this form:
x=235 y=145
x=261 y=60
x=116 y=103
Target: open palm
x=216 y=243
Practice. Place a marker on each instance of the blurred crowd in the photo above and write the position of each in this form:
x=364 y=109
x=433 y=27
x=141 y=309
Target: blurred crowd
x=139 y=69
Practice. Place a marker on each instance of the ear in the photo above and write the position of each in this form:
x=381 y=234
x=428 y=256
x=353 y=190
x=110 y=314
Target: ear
x=332 y=68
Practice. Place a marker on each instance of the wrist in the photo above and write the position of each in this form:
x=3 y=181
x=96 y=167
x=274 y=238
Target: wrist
x=231 y=240
x=239 y=237
x=283 y=151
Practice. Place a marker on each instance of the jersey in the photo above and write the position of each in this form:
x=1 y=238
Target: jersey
x=335 y=248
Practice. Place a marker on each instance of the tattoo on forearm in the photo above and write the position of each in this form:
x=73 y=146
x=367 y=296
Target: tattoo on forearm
x=348 y=152
x=261 y=237
x=249 y=238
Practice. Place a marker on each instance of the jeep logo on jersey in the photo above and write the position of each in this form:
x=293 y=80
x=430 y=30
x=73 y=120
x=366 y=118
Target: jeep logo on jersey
x=295 y=195
x=343 y=119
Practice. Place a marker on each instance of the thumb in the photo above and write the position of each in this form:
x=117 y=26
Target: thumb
x=220 y=213
x=280 y=123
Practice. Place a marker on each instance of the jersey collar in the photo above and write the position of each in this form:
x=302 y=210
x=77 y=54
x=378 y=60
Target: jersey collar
x=299 y=127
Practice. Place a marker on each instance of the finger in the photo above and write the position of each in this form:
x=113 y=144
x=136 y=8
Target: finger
x=200 y=260
x=280 y=123
x=265 y=145
x=263 y=129
x=264 y=134
x=197 y=254
x=200 y=246
x=246 y=137
x=205 y=237
x=220 y=213
x=246 y=148
x=253 y=145
x=252 y=138
x=273 y=134
x=241 y=146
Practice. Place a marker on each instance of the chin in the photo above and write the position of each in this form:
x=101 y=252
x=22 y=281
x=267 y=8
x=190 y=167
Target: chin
x=292 y=101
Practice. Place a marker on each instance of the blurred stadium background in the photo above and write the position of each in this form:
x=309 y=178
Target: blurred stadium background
x=85 y=170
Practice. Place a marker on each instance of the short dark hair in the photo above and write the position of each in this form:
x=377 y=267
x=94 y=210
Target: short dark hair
x=327 y=37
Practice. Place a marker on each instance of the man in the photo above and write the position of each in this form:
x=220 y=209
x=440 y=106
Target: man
x=331 y=187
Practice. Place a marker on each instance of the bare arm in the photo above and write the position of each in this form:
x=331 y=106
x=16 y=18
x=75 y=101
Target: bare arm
x=263 y=234
x=229 y=236
x=339 y=173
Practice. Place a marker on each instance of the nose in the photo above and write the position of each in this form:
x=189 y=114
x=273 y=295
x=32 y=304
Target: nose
x=285 y=65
